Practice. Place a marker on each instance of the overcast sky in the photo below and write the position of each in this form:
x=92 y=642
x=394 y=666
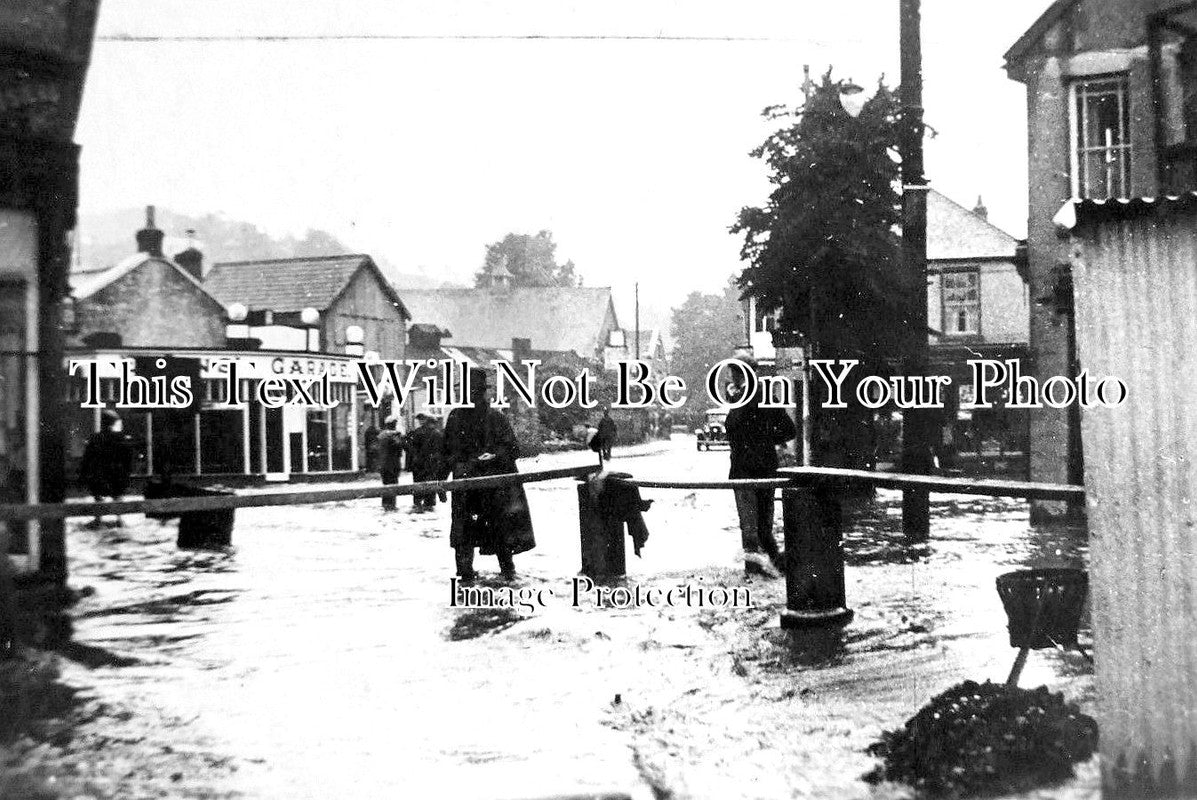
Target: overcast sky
x=634 y=153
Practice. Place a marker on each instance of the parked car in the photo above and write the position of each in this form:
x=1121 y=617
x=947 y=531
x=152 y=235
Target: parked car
x=713 y=432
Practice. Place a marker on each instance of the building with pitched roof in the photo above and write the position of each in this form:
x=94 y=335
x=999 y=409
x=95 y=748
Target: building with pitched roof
x=978 y=306
x=556 y=319
x=1110 y=87
x=343 y=290
x=290 y=319
x=147 y=300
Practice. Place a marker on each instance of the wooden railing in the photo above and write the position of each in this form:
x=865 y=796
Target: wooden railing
x=812 y=520
x=14 y=511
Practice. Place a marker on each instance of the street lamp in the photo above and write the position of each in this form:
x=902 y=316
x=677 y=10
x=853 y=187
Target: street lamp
x=310 y=317
x=354 y=341
x=852 y=98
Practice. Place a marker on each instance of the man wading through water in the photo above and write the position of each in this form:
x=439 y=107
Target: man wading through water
x=753 y=434
x=479 y=441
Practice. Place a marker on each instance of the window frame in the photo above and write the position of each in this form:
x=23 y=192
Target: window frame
x=1075 y=134
x=947 y=324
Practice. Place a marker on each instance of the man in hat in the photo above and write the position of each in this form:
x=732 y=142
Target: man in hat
x=423 y=447
x=479 y=441
x=607 y=433
x=390 y=458
x=753 y=434
x=107 y=462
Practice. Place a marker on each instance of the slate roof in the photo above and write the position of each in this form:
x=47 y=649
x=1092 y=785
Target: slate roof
x=558 y=318
x=85 y=283
x=954 y=232
x=291 y=284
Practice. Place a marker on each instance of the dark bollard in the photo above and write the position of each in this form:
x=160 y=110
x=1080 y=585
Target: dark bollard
x=814 y=558
x=198 y=530
x=603 y=553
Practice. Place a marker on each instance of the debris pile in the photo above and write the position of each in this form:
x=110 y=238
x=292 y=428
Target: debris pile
x=985 y=739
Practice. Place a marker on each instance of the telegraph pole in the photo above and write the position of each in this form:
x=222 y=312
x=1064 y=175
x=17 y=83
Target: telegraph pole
x=637 y=320
x=917 y=424
x=808 y=350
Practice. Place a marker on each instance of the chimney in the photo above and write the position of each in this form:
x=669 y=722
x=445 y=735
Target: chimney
x=981 y=211
x=191 y=259
x=521 y=349
x=149 y=238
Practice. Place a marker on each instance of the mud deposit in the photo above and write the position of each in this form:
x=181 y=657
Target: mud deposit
x=985 y=739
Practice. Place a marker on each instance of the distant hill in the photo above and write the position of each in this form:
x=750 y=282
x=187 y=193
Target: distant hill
x=106 y=238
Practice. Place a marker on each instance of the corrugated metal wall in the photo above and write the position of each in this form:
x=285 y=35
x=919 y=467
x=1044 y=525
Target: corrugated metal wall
x=1135 y=277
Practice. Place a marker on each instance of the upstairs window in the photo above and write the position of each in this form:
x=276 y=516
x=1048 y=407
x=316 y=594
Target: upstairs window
x=1101 y=138
x=962 y=303
x=1172 y=41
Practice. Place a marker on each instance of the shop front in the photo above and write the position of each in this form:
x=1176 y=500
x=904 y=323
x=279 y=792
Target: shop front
x=248 y=441
x=981 y=441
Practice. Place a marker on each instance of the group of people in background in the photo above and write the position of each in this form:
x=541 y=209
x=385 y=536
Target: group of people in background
x=421 y=449
x=477 y=441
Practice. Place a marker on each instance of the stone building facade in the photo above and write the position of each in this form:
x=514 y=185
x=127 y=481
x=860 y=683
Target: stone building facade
x=1110 y=110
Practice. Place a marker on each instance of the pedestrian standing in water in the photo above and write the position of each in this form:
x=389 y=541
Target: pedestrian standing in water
x=423 y=447
x=753 y=434
x=107 y=462
x=606 y=433
x=390 y=459
x=479 y=441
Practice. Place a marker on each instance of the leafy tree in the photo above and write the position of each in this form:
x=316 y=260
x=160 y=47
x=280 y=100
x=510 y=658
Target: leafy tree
x=531 y=260
x=825 y=248
x=706 y=329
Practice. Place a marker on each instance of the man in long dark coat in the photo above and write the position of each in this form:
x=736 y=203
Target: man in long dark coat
x=753 y=434
x=107 y=462
x=423 y=446
x=480 y=441
x=390 y=460
x=606 y=434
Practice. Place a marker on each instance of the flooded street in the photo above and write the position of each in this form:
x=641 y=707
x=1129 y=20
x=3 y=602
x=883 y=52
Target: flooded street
x=320 y=658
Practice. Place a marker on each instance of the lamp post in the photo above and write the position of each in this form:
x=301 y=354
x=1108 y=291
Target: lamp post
x=237 y=327
x=852 y=100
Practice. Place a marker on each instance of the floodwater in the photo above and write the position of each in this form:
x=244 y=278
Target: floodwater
x=320 y=657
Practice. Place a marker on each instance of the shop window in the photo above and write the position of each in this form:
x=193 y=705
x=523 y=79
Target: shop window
x=173 y=441
x=342 y=458
x=962 y=303
x=1101 y=144
x=222 y=440
x=317 y=441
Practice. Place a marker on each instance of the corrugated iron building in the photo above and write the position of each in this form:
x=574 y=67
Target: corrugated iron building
x=1135 y=287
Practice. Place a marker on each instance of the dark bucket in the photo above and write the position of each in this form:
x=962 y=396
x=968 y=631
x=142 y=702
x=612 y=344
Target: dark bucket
x=1043 y=605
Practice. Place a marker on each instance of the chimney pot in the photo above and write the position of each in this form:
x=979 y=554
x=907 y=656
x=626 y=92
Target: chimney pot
x=149 y=238
x=191 y=259
x=980 y=210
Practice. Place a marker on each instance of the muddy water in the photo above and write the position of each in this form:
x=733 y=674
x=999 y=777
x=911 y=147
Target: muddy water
x=320 y=657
